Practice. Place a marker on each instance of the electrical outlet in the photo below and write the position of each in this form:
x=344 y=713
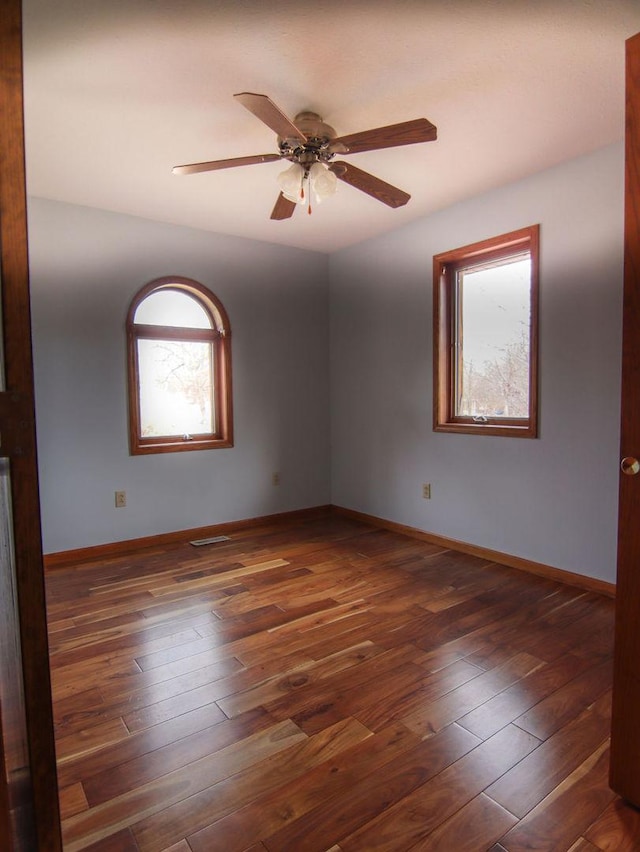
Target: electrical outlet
x=121 y=499
x=426 y=491
x=275 y=478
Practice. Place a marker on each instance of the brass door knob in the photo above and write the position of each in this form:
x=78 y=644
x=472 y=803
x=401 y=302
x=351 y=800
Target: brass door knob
x=629 y=465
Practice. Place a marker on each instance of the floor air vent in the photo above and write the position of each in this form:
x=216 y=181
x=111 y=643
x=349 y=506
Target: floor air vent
x=215 y=539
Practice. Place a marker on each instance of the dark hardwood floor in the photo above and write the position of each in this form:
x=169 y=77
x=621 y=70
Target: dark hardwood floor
x=324 y=685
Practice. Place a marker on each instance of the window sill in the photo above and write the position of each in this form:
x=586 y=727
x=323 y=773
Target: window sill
x=181 y=446
x=505 y=430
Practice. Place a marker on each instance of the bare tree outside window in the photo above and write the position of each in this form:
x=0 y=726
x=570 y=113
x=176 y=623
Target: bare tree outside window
x=494 y=340
x=176 y=387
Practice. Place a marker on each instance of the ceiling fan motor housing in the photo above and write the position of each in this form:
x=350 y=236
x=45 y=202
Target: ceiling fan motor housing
x=316 y=148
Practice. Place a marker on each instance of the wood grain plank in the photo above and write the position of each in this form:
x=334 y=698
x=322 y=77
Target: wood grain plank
x=395 y=701
x=145 y=687
x=72 y=800
x=565 y=703
x=346 y=811
x=524 y=786
x=511 y=704
x=170 y=708
x=72 y=714
x=553 y=824
x=473 y=827
x=218 y=580
x=79 y=654
x=159 y=795
x=418 y=799
x=120 y=841
x=317 y=705
x=90 y=739
x=267 y=814
x=305 y=675
x=617 y=829
x=147 y=741
x=460 y=701
x=138 y=632
x=218 y=800
x=118 y=778
x=581 y=845
x=208 y=692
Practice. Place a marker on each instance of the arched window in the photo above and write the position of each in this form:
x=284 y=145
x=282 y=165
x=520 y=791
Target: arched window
x=179 y=353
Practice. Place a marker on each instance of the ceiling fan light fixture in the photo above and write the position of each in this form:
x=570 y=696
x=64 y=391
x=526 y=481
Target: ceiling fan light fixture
x=290 y=183
x=323 y=182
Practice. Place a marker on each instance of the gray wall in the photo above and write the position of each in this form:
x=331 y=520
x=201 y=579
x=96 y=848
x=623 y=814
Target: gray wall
x=86 y=265
x=367 y=311
x=552 y=500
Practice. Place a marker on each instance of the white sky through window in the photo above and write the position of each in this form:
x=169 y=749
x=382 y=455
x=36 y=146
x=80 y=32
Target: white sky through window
x=172 y=308
x=495 y=309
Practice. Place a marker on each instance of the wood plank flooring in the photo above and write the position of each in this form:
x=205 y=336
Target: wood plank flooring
x=325 y=685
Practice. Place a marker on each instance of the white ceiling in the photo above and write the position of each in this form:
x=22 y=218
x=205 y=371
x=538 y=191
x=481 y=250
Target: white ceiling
x=119 y=91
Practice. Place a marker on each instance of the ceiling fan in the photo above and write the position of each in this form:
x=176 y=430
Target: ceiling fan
x=311 y=145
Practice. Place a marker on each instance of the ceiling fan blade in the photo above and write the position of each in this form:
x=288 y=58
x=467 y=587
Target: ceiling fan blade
x=284 y=208
x=212 y=165
x=265 y=109
x=373 y=186
x=391 y=136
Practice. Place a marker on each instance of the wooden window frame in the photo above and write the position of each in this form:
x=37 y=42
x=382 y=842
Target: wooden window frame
x=220 y=337
x=445 y=350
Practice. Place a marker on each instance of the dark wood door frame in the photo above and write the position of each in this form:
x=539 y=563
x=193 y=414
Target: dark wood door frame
x=625 y=729
x=18 y=437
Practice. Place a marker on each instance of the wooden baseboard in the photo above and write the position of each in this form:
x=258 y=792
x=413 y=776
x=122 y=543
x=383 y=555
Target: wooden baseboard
x=114 y=549
x=590 y=584
x=67 y=558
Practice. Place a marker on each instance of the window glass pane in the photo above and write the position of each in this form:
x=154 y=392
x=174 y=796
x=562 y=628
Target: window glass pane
x=494 y=319
x=176 y=387
x=173 y=308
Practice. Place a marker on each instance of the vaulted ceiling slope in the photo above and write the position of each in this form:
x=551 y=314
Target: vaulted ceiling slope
x=118 y=92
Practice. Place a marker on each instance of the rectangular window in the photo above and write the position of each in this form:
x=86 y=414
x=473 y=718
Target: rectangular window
x=485 y=336
x=176 y=387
